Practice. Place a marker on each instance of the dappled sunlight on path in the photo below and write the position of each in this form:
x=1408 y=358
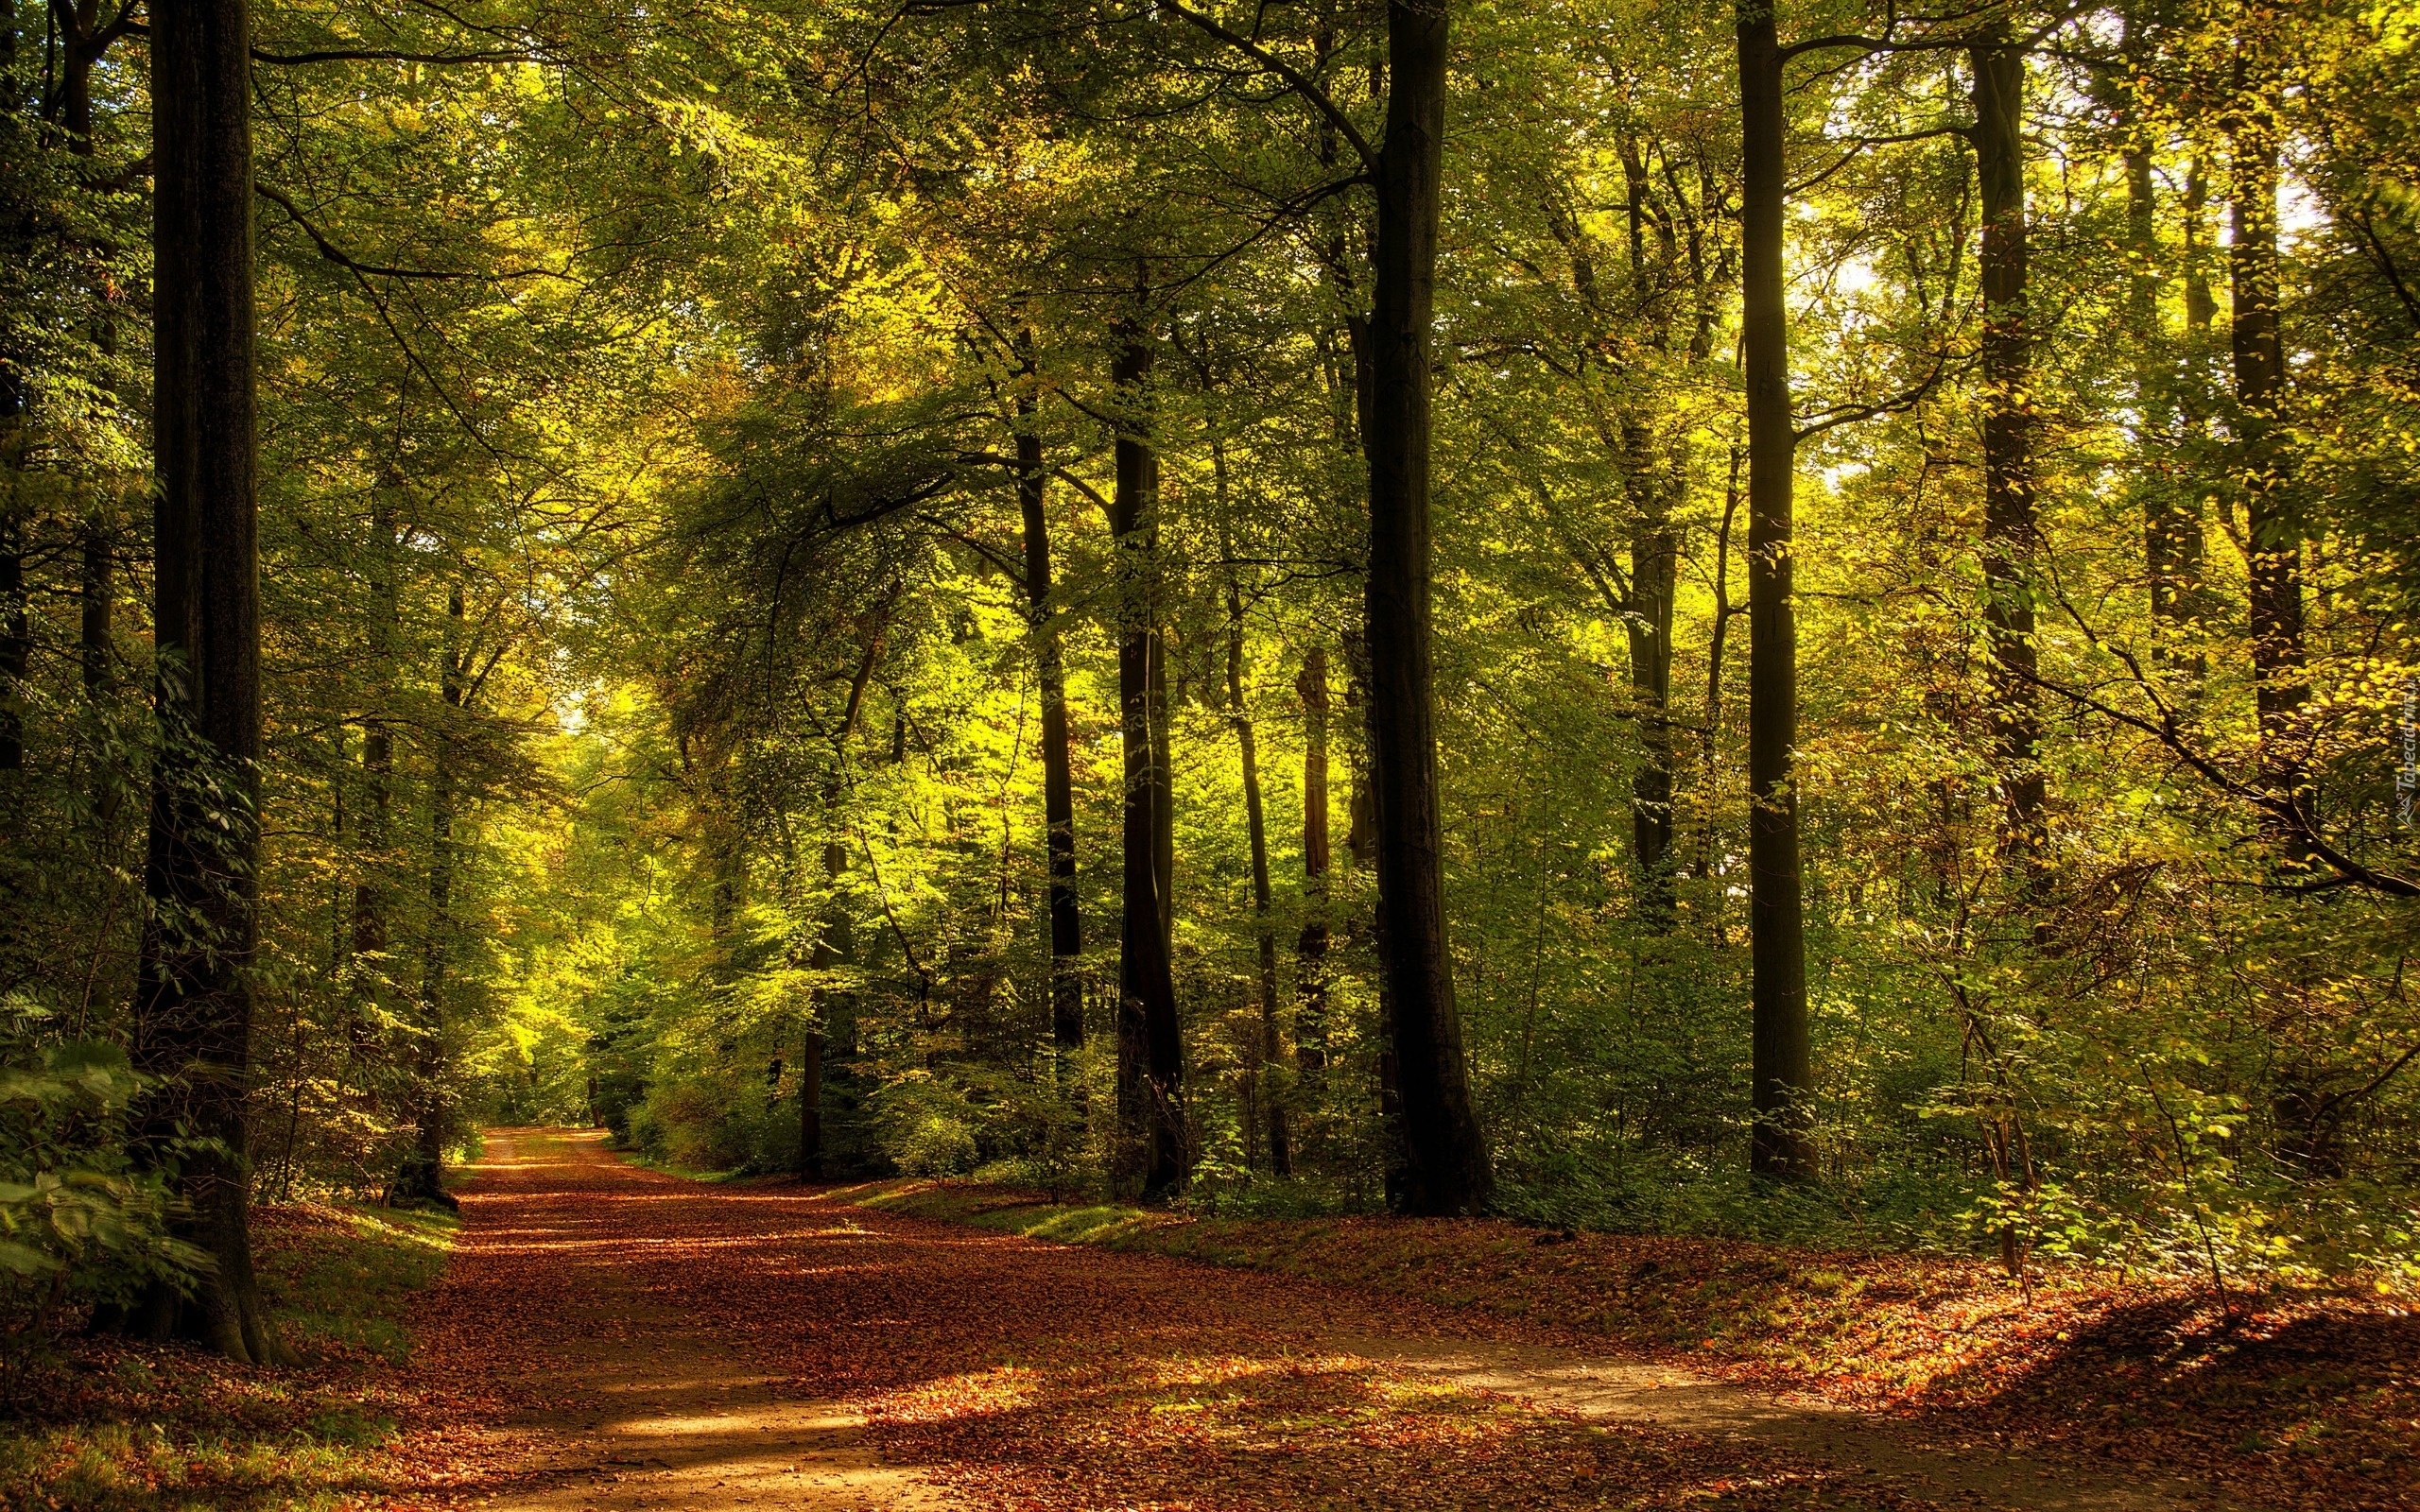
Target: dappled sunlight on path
x=675 y=1345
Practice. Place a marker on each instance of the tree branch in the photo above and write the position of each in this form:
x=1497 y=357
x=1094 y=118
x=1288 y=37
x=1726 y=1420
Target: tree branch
x=1300 y=83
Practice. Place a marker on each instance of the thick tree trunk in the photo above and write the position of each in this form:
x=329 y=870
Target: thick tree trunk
x=2273 y=541
x=1057 y=785
x=1782 y=1069
x=1149 y=1048
x=1445 y=1167
x=1271 y=1050
x=193 y=1014
x=2010 y=532
x=1310 y=949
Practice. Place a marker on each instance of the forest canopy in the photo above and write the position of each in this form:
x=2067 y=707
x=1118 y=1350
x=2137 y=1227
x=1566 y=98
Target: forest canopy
x=1784 y=620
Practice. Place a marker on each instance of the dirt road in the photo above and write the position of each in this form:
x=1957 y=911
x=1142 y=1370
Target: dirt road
x=663 y=1343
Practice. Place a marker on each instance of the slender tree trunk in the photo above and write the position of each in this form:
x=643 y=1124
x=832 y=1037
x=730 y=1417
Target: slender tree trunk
x=368 y=965
x=423 y=1178
x=2010 y=531
x=2201 y=304
x=16 y=626
x=835 y=942
x=1718 y=643
x=16 y=638
x=2271 y=534
x=2171 y=514
x=1149 y=1049
x=1310 y=949
x=1058 y=784
x=96 y=585
x=1271 y=1050
x=1783 y=1070
x=835 y=945
x=810 y=1100
x=1654 y=575
x=96 y=591
x=370 y=897
x=1446 y=1166
x=193 y=1014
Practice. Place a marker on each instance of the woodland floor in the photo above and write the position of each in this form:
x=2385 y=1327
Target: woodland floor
x=662 y=1344
x=608 y=1339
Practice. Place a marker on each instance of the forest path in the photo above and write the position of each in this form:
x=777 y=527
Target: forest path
x=675 y=1346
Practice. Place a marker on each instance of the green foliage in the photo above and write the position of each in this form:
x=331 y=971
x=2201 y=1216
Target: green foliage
x=77 y=1217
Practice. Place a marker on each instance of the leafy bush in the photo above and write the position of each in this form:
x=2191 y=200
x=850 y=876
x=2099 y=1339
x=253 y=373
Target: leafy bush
x=77 y=1218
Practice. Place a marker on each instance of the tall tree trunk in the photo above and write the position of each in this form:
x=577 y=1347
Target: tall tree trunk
x=1445 y=1155
x=1310 y=949
x=1058 y=784
x=193 y=1013
x=1361 y=806
x=1149 y=1047
x=2010 y=532
x=369 y=898
x=368 y=963
x=423 y=1176
x=836 y=941
x=1654 y=575
x=2200 y=305
x=2271 y=534
x=16 y=639
x=1718 y=643
x=1271 y=1051
x=1782 y=1067
x=835 y=945
x=16 y=626
x=2171 y=514
x=97 y=593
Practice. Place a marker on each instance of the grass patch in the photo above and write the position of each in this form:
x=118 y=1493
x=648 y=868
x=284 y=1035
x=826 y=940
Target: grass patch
x=110 y=1425
x=647 y=1161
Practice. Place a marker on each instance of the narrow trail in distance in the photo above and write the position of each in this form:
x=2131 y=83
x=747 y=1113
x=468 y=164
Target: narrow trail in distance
x=662 y=1344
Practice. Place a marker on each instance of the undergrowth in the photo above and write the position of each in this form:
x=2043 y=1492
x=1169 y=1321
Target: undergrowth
x=113 y=1425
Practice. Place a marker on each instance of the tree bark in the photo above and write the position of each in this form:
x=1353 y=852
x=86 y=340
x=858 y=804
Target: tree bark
x=2271 y=534
x=96 y=586
x=2010 y=531
x=1150 y=1063
x=835 y=945
x=193 y=1013
x=369 y=901
x=1782 y=1064
x=16 y=627
x=1271 y=1050
x=423 y=1176
x=1310 y=949
x=1654 y=575
x=1058 y=784
x=2171 y=514
x=1445 y=1167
